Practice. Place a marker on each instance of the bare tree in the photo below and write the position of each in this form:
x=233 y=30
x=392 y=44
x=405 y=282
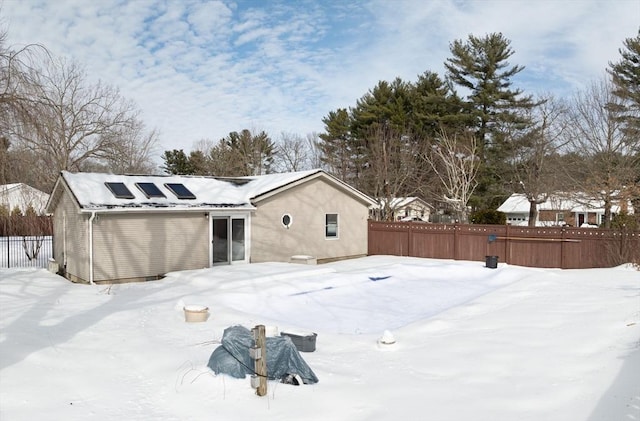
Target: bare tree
x=534 y=164
x=134 y=150
x=598 y=136
x=56 y=119
x=71 y=122
x=203 y=145
x=391 y=170
x=455 y=161
x=18 y=71
x=315 y=152
x=293 y=153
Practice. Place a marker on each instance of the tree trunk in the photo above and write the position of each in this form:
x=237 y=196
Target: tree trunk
x=607 y=214
x=533 y=213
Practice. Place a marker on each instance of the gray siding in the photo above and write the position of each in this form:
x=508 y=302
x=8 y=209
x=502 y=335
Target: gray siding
x=146 y=245
x=71 y=247
x=307 y=204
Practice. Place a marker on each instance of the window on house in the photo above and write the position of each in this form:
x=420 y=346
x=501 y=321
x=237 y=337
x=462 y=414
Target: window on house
x=119 y=190
x=180 y=191
x=150 y=190
x=560 y=217
x=331 y=225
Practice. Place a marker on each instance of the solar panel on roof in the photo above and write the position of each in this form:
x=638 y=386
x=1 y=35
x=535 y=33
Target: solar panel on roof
x=180 y=191
x=119 y=190
x=150 y=190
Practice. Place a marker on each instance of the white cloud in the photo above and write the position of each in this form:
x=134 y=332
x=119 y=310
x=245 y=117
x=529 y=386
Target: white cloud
x=200 y=69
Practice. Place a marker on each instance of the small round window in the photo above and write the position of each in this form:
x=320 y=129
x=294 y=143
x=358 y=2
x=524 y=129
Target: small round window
x=286 y=220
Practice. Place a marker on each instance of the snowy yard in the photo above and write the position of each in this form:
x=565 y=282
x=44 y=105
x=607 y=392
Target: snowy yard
x=473 y=343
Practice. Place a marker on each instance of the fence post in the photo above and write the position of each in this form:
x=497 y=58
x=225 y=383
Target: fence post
x=562 y=248
x=455 y=241
x=507 y=245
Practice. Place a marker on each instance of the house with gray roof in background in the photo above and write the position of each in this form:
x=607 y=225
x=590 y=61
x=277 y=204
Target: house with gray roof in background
x=122 y=228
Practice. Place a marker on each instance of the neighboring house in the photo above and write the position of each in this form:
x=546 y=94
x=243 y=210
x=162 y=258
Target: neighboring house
x=405 y=209
x=129 y=228
x=572 y=210
x=22 y=196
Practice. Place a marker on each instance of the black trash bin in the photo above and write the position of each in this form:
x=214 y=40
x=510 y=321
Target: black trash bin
x=491 y=262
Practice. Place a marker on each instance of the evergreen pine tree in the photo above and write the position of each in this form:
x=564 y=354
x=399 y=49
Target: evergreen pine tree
x=176 y=162
x=480 y=67
x=336 y=144
x=625 y=75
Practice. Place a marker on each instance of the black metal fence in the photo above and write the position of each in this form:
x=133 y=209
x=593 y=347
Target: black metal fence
x=25 y=251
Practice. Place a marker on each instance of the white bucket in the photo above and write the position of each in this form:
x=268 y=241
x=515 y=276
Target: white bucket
x=194 y=314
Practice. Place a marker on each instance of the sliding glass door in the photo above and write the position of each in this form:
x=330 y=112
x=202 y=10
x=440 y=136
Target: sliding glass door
x=228 y=240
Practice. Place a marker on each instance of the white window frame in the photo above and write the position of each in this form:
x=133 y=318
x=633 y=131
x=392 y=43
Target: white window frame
x=247 y=236
x=326 y=226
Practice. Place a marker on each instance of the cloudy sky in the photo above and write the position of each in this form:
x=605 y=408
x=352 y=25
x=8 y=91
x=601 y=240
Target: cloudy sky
x=203 y=68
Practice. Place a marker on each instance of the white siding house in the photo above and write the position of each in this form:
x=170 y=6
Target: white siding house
x=560 y=209
x=22 y=196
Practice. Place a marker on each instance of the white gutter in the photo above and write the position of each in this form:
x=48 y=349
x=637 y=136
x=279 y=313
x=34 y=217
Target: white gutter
x=150 y=209
x=93 y=215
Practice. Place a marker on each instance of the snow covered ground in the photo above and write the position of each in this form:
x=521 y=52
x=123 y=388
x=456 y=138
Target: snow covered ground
x=472 y=343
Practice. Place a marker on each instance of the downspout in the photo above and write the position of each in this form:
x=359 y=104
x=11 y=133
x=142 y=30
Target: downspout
x=91 y=218
x=64 y=241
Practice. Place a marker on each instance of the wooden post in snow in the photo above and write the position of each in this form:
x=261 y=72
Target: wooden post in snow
x=260 y=337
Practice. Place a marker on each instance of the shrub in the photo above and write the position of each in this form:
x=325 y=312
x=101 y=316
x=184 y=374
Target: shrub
x=625 y=221
x=488 y=216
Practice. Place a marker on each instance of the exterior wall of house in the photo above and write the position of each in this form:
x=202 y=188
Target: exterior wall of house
x=414 y=210
x=518 y=219
x=22 y=196
x=554 y=218
x=71 y=239
x=140 y=246
x=308 y=204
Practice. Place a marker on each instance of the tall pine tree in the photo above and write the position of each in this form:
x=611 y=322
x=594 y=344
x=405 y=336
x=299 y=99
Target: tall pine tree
x=176 y=162
x=625 y=75
x=480 y=67
x=336 y=145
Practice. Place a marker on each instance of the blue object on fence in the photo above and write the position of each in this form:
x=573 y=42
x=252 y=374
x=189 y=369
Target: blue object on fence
x=492 y=238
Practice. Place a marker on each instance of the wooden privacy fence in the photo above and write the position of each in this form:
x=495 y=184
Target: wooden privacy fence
x=545 y=247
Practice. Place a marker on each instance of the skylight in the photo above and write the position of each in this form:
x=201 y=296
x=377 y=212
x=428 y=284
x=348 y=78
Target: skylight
x=150 y=190
x=180 y=191
x=119 y=190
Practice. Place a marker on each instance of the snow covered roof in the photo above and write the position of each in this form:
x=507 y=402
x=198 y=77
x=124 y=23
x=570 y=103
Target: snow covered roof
x=20 y=195
x=518 y=203
x=92 y=193
x=400 y=202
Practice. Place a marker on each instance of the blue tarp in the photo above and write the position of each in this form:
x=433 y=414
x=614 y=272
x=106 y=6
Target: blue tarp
x=283 y=359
